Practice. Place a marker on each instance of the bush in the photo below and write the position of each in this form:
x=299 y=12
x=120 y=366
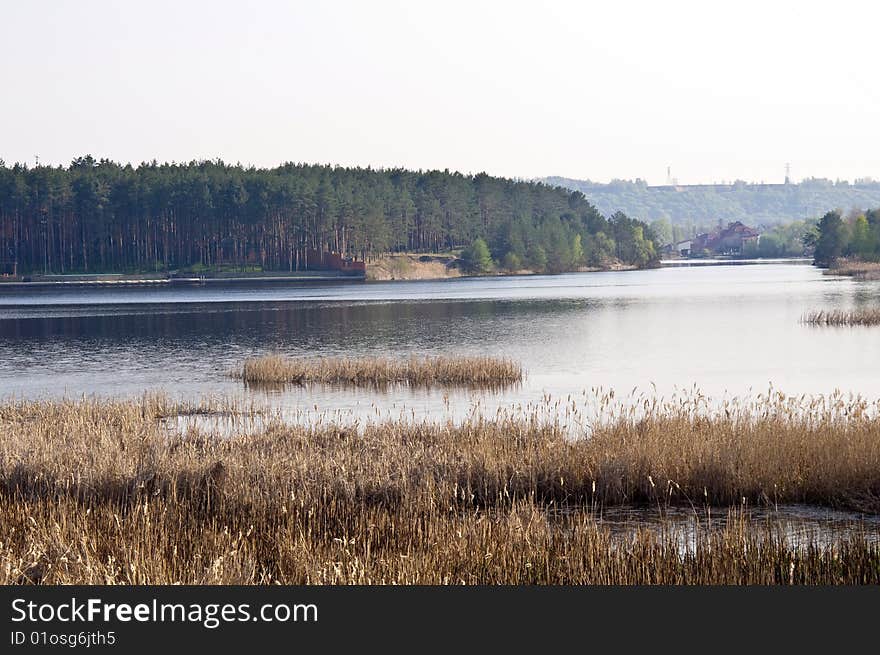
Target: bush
x=512 y=262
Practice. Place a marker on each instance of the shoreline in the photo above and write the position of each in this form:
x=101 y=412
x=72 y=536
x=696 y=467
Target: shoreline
x=388 y=268
x=411 y=266
x=413 y=271
x=101 y=280
x=731 y=261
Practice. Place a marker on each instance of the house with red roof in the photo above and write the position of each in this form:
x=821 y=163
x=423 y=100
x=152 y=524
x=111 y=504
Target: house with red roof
x=730 y=240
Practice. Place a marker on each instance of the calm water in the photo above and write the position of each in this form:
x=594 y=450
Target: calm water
x=725 y=329
x=800 y=525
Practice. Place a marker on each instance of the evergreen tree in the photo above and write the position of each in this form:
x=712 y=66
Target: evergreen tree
x=832 y=239
x=477 y=258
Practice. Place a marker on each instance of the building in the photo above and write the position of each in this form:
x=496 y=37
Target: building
x=331 y=261
x=683 y=248
x=731 y=240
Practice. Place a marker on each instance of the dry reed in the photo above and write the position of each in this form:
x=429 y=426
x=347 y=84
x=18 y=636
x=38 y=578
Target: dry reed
x=380 y=371
x=855 y=268
x=103 y=492
x=841 y=318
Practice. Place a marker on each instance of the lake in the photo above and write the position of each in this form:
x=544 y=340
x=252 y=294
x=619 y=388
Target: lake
x=728 y=329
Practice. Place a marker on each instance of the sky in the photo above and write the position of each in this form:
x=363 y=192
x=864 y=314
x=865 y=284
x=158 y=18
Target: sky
x=717 y=91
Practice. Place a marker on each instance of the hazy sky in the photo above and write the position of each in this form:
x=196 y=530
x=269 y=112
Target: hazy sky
x=717 y=90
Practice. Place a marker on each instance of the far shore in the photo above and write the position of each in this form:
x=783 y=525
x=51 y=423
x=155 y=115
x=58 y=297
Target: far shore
x=385 y=268
x=165 y=279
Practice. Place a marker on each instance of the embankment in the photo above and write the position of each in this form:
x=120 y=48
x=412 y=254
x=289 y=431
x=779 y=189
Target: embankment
x=413 y=267
x=407 y=266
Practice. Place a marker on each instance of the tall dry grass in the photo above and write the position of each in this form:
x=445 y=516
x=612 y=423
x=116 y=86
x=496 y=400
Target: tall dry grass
x=98 y=492
x=841 y=318
x=381 y=371
x=855 y=268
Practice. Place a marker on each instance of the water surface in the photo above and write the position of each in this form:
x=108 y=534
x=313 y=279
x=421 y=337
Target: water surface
x=726 y=329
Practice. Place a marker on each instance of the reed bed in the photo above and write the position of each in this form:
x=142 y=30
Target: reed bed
x=841 y=318
x=96 y=492
x=857 y=269
x=474 y=372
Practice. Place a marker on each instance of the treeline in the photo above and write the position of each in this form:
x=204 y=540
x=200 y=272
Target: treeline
x=856 y=236
x=783 y=240
x=101 y=216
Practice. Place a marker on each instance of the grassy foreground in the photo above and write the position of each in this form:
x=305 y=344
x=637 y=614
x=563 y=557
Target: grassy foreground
x=474 y=372
x=100 y=492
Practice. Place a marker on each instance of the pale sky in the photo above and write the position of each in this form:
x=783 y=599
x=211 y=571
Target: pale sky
x=716 y=90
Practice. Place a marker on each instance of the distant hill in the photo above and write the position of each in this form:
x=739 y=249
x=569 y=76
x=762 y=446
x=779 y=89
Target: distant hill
x=754 y=204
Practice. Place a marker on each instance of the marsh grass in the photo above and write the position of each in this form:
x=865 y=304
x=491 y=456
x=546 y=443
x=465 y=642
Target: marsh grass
x=840 y=318
x=100 y=492
x=472 y=372
x=857 y=269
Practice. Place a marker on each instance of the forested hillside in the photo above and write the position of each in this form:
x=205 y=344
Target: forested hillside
x=101 y=216
x=753 y=204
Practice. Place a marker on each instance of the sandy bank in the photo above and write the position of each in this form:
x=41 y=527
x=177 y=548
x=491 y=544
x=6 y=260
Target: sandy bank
x=438 y=267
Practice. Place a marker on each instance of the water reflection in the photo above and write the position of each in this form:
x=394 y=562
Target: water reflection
x=800 y=526
x=731 y=329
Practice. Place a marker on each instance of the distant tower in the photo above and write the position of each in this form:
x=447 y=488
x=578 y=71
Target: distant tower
x=788 y=173
x=669 y=176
